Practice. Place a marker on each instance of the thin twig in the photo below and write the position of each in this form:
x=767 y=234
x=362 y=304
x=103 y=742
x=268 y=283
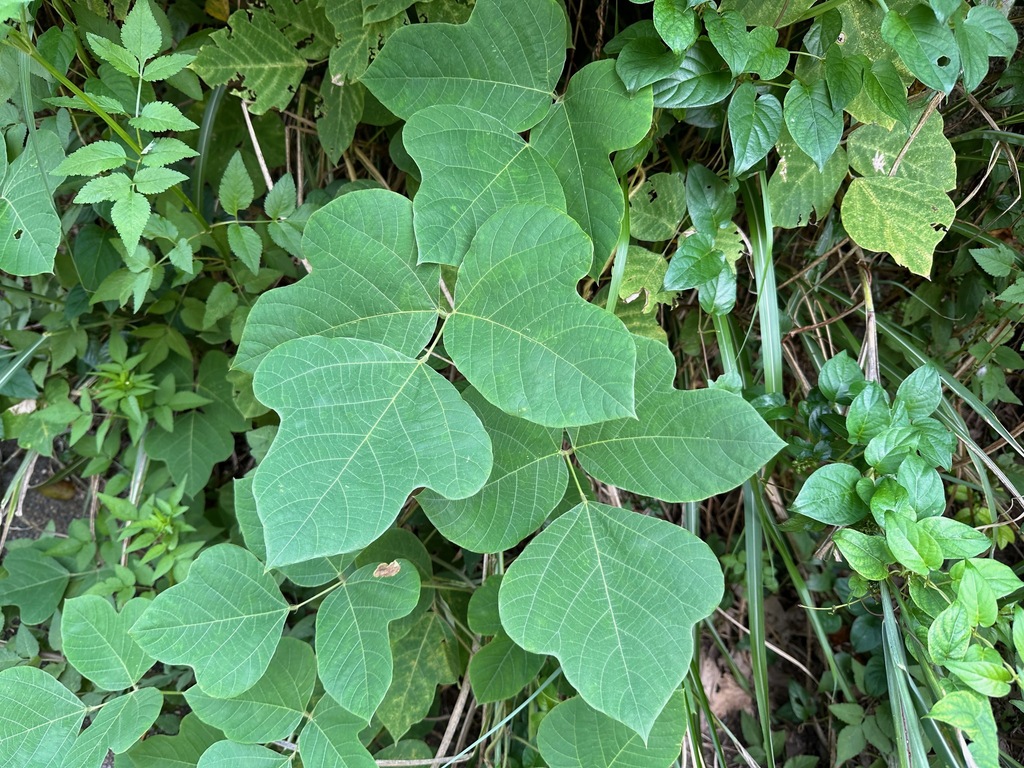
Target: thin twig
x=932 y=105
x=256 y=146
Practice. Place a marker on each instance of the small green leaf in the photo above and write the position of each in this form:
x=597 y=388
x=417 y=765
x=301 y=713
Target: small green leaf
x=40 y=719
x=884 y=87
x=972 y=42
x=1002 y=37
x=950 y=634
x=331 y=739
x=924 y=485
x=95 y=640
x=353 y=652
x=996 y=261
x=34 y=582
x=829 y=496
x=710 y=201
x=643 y=61
x=755 y=123
x=851 y=714
x=676 y=22
x=119 y=725
x=119 y=58
x=140 y=34
x=728 y=33
x=954 y=538
x=700 y=80
x=236 y=190
x=911 y=545
x=867 y=555
x=152 y=180
x=114 y=186
x=844 y=76
x=815 y=125
x=983 y=670
x=971 y=713
x=868 y=415
x=574 y=593
x=166 y=66
x=229 y=754
x=161 y=116
x=130 y=215
x=850 y=743
x=224 y=621
x=925 y=44
x=766 y=60
x=920 y=392
x=165 y=151
x=92 y=159
x=501 y=669
x=246 y=244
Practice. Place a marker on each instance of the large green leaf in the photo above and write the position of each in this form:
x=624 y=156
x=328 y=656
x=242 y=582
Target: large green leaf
x=614 y=596
x=224 y=621
x=702 y=79
x=39 y=719
x=527 y=481
x=121 y=723
x=352 y=650
x=925 y=44
x=95 y=640
x=504 y=62
x=181 y=751
x=34 y=582
x=754 y=125
x=815 y=125
x=361 y=427
x=521 y=333
x=365 y=283
x=29 y=226
x=928 y=159
x=682 y=445
x=903 y=217
x=331 y=738
x=574 y=735
x=472 y=165
x=596 y=117
x=229 y=754
x=273 y=707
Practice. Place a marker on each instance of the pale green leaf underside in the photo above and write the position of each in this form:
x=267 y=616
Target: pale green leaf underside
x=473 y=165
x=362 y=426
x=224 y=621
x=614 y=596
x=365 y=283
x=505 y=62
x=121 y=723
x=527 y=481
x=521 y=333
x=230 y=754
x=39 y=719
x=95 y=640
x=574 y=735
x=905 y=218
x=683 y=445
x=597 y=116
x=273 y=707
x=29 y=226
x=352 y=646
x=331 y=739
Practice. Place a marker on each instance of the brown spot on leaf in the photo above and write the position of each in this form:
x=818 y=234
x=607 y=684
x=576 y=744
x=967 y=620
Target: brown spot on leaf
x=387 y=570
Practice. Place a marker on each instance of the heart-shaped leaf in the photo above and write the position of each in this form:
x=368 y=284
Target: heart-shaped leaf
x=700 y=80
x=473 y=166
x=224 y=620
x=815 y=125
x=682 y=445
x=754 y=125
x=521 y=333
x=361 y=426
x=352 y=649
x=614 y=596
x=925 y=44
x=504 y=62
x=95 y=640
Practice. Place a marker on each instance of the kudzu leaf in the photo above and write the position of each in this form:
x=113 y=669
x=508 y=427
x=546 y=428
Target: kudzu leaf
x=815 y=125
x=614 y=595
x=39 y=718
x=926 y=46
x=503 y=63
x=702 y=79
x=473 y=166
x=594 y=118
x=754 y=125
x=29 y=226
x=352 y=646
x=224 y=621
x=92 y=159
x=379 y=10
x=527 y=480
x=95 y=640
x=363 y=241
x=361 y=427
x=797 y=190
x=574 y=735
x=331 y=739
x=676 y=22
x=228 y=754
x=644 y=277
x=120 y=724
x=255 y=51
x=928 y=159
x=682 y=445
x=657 y=208
x=501 y=669
x=236 y=190
x=902 y=217
x=273 y=707
x=422 y=662
x=829 y=496
x=521 y=333
x=185 y=749
x=34 y=582
x=357 y=43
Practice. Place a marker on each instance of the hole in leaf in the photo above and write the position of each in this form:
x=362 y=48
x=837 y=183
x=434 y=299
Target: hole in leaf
x=943 y=61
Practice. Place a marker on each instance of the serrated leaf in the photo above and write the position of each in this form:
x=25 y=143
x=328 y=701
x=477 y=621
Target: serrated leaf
x=815 y=125
x=280 y=200
x=472 y=166
x=585 y=590
x=701 y=79
x=342 y=402
x=527 y=480
x=112 y=53
x=928 y=159
x=153 y=181
x=236 y=190
x=161 y=116
x=246 y=244
x=596 y=117
x=39 y=718
x=574 y=735
x=184 y=749
x=503 y=63
x=140 y=34
x=273 y=707
x=120 y=724
x=229 y=754
x=165 y=151
x=331 y=739
x=755 y=123
x=676 y=23
x=353 y=651
x=797 y=190
x=501 y=669
x=224 y=620
x=521 y=333
x=829 y=496
x=996 y=261
x=682 y=445
x=363 y=241
x=925 y=45
x=109 y=188
x=30 y=229
x=166 y=66
x=130 y=214
x=95 y=640
x=258 y=53
x=92 y=159
x=34 y=582
x=657 y=208
x=902 y=217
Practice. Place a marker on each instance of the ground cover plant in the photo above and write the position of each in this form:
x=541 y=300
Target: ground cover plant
x=511 y=383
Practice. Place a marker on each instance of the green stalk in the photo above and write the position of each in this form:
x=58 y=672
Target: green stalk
x=905 y=719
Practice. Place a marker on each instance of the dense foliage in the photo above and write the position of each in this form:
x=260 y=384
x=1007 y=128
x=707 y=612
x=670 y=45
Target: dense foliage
x=421 y=366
